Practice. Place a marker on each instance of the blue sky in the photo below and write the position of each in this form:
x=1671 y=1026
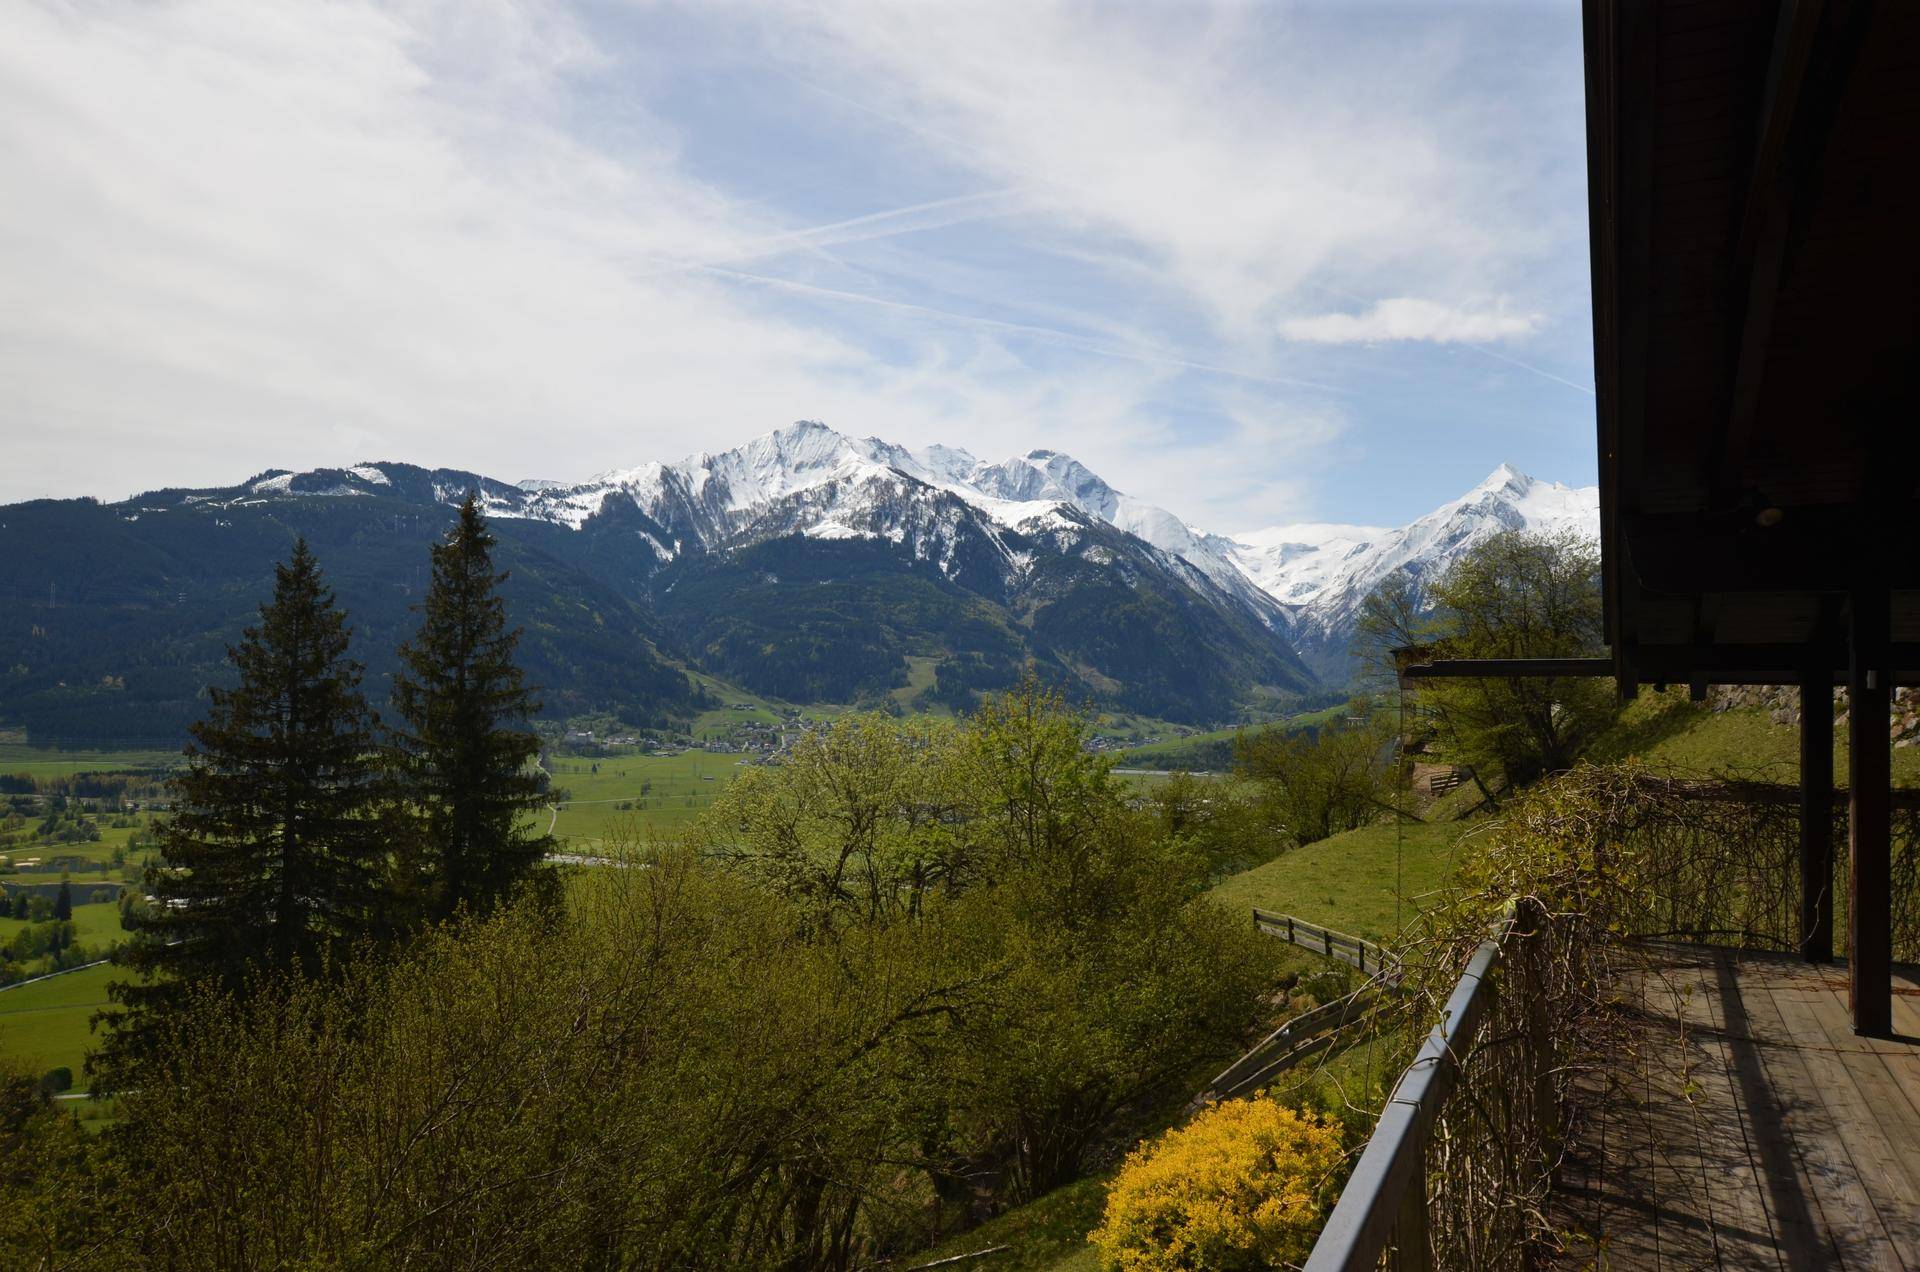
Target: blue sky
x=1257 y=263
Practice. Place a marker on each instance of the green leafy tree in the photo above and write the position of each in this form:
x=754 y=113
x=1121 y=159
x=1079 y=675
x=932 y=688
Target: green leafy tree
x=1319 y=782
x=58 y=1184
x=464 y=742
x=1519 y=595
x=270 y=860
x=856 y=825
x=1393 y=618
x=63 y=901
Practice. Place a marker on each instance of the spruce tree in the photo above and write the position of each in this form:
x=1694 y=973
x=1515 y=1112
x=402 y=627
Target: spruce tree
x=63 y=901
x=270 y=859
x=463 y=744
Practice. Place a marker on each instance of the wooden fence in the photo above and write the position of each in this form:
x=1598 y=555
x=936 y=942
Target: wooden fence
x=1314 y=1031
x=1351 y=950
x=1307 y=1034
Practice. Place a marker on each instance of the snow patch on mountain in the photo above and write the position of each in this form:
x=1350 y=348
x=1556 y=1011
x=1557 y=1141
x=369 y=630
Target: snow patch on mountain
x=1324 y=573
x=1306 y=580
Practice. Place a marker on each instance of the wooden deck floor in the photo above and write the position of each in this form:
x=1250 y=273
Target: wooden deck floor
x=1747 y=1127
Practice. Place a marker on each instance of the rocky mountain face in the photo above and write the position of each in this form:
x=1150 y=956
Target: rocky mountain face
x=1322 y=574
x=806 y=565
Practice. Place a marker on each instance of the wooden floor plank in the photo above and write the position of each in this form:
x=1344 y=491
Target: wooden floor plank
x=1747 y=1230
x=1881 y=1124
x=1746 y=1126
x=1906 y=1004
x=1854 y=1142
x=1801 y=1224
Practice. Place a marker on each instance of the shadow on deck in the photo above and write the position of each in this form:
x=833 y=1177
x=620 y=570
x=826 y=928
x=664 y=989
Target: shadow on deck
x=1744 y=1125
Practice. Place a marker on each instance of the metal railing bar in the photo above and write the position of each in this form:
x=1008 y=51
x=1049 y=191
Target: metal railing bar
x=1363 y=1220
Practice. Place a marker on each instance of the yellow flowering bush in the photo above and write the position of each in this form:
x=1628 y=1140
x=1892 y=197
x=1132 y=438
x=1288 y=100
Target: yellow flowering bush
x=1244 y=1185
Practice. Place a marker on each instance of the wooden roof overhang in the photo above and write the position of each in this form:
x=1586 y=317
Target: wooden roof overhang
x=1755 y=219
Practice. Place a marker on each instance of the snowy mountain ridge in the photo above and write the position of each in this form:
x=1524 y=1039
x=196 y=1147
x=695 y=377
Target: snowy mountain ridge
x=1305 y=581
x=1312 y=576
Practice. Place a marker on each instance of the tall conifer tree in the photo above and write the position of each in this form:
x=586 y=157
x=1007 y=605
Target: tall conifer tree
x=271 y=858
x=463 y=740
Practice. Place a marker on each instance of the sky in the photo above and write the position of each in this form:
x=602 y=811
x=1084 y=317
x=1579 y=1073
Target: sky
x=1257 y=263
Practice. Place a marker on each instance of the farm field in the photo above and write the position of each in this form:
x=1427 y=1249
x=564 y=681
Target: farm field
x=39 y=761
x=661 y=793
x=44 y=1025
x=1213 y=749
x=96 y=924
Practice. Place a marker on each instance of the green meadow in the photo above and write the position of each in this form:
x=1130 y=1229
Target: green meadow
x=44 y=1024
x=39 y=761
x=96 y=925
x=657 y=794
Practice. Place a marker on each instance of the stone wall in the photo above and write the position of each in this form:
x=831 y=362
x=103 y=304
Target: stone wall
x=1782 y=705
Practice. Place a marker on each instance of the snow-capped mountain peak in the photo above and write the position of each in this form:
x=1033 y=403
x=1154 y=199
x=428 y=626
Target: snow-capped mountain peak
x=1307 y=580
x=1325 y=572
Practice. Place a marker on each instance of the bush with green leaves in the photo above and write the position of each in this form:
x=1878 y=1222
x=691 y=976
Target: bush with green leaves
x=912 y=975
x=1313 y=784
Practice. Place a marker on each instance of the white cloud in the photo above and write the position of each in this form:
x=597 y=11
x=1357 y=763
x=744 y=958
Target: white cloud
x=1221 y=144
x=1409 y=318
x=485 y=233
x=241 y=232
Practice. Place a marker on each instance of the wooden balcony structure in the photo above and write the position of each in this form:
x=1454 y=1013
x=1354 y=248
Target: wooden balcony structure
x=1756 y=288
x=1745 y=1124
x=1755 y=232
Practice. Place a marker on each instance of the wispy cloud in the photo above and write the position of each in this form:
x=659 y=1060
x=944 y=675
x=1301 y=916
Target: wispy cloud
x=1213 y=139
x=538 y=238
x=1409 y=318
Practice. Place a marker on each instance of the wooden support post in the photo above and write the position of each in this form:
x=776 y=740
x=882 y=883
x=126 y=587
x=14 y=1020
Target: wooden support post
x=1816 y=815
x=1869 y=824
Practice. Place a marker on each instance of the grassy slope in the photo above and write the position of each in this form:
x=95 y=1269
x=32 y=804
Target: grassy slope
x=1337 y=882
x=44 y=1025
x=1664 y=729
x=1347 y=882
x=1049 y=1235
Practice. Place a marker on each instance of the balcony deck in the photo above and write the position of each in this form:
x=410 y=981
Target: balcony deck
x=1746 y=1126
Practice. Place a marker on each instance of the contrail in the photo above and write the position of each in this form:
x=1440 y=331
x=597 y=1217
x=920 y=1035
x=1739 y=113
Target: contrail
x=1150 y=357
x=877 y=225
x=1584 y=388
x=895 y=214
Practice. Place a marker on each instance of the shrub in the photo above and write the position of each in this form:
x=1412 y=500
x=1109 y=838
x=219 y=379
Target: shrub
x=1243 y=1186
x=54 y=1081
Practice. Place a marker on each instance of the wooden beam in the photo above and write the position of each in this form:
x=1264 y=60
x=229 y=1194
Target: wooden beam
x=1622 y=68
x=1508 y=668
x=1869 y=824
x=1816 y=816
x=1764 y=213
x=1730 y=551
